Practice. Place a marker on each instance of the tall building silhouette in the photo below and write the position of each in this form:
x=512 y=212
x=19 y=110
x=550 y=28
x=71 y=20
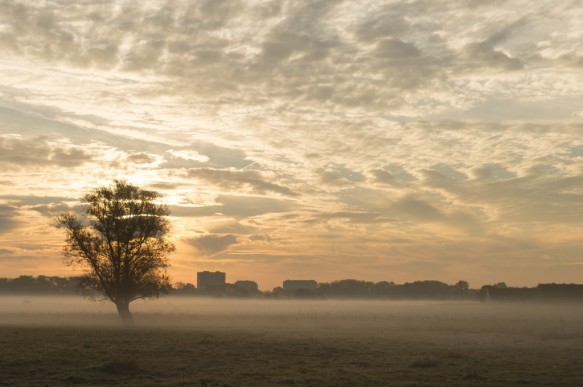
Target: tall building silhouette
x=208 y=281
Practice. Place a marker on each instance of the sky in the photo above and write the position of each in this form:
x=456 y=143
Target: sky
x=376 y=140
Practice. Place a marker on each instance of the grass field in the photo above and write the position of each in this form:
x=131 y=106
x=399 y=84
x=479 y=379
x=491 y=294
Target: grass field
x=204 y=342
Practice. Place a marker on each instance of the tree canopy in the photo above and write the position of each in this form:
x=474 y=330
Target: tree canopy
x=121 y=241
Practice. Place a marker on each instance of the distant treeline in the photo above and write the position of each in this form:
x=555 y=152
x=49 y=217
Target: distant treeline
x=352 y=288
x=543 y=292
x=343 y=289
x=349 y=288
x=26 y=284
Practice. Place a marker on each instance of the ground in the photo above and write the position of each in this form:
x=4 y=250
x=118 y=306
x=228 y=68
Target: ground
x=333 y=343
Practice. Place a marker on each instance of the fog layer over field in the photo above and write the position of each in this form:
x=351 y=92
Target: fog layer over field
x=216 y=342
x=321 y=317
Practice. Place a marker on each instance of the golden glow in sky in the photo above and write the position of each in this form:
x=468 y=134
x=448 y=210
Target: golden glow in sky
x=377 y=140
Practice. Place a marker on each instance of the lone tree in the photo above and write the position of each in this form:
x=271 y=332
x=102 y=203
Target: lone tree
x=121 y=243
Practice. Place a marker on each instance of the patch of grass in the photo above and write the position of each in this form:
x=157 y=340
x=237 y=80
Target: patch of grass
x=473 y=375
x=498 y=346
x=558 y=334
x=74 y=379
x=455 y=355
x=425 y=362
x=120 y=367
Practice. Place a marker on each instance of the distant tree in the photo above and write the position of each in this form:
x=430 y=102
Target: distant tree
x=384 y=289
x=324 y=289
x=462 y=286
x=184 y=289
x=122 y=244
x=24 y=284
x=425 y=290
x=461 y=290
x=277 y=292
x=351 y=288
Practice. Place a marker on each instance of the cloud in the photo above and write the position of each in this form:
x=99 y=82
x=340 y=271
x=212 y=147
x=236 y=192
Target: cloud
x=484 y=55
x=232 y=227
x=55 y=209
x=7 y=218
x=492 y=171
x=572 y=59
x=542 y=194
x=339 y=175
x=332 y=178
x=189 y=155
x=69 y=128
x=261 y=238
x=40 y=152
x=355 y=55
x=235 y=206
x=29 y=200
x=466 y=222
x=205 y=154
x=298 y=34
x=366 y=199
x=264 y=65
x=212 y=244
x=384 y=23
x=412 y=130
x=237 y=180
x=352 y=217
x=141 y=158
x=396 y=50
x=410 y=207
x=384 y=177
x=49 y=206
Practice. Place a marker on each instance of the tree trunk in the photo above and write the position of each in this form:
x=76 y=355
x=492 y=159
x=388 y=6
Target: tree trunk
x=123 y=308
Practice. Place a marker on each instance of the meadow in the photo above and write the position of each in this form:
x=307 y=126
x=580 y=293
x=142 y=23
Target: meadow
x=226 y=342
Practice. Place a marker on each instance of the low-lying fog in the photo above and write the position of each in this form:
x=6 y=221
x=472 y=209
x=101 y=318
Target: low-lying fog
x=337 y=317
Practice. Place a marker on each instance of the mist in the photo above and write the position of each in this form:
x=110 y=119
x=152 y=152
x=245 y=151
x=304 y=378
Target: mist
x=222 y=341
x=314 y=317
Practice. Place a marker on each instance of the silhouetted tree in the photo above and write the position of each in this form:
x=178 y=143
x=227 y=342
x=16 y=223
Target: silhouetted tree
x=384 y=289
x=277 y=292
x=425 y=290
x=184 y=289
x=122 y=244
x=351 y=288
x=23 y=283
x=462 y=286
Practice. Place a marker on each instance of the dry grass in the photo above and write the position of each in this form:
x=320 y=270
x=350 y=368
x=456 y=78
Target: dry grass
x=315 y=344
x=120 y=367
x=425 y=362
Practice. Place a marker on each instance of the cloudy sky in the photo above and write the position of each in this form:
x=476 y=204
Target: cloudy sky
x=378 y=140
